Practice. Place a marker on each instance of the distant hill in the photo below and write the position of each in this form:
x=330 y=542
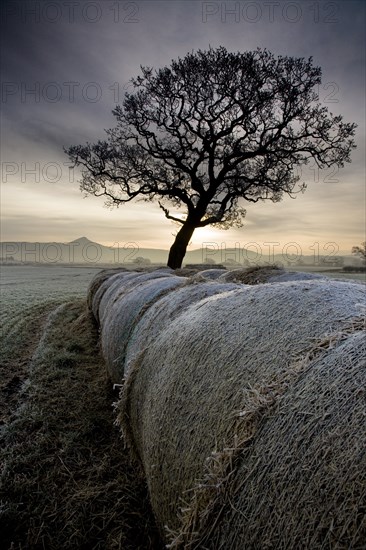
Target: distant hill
x=85 y=251
x=78 y=251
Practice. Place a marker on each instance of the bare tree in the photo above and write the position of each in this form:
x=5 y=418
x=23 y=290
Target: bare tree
x=141 y=261
x=360 y=251
x=214 y=130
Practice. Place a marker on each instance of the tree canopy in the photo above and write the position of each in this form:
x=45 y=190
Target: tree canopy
x=360 y=251
x=211 y=132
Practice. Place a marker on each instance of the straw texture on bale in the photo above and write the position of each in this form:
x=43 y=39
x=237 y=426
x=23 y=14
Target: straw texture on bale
x=212 y=274
x=205 y=385
x=123 y=313
x=266 y=274
x=301 y=482
x=294 y=276
x=251 y=275
x=165 y=310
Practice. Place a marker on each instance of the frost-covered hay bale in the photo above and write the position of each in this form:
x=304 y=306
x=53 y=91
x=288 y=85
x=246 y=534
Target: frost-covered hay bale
x=294 y=276
x=106 y=291
x=165 y=310
x=123 y=283
x=161 y=269
x=251 y=275
x=212 y=274
x=124 y=313
x=98 y=280
x=186 y=272
x=217 y=367
x=267 y=274
x=303 y=479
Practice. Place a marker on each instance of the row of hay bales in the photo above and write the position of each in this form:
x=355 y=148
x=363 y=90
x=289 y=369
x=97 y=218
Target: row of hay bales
x=244 y=403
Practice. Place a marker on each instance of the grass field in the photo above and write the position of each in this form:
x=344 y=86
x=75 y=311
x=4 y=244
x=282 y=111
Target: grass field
x=67 y=480
x=27 y=295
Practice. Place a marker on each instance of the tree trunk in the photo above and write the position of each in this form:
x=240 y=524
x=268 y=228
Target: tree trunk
x=179 y=247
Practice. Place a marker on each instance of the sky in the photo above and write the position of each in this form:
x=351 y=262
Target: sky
x=66 y=64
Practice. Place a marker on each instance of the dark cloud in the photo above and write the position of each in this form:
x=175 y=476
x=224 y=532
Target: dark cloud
x=62 y=78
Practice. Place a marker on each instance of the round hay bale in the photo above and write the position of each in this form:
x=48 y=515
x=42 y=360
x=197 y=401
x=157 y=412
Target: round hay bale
x=212 y=274
x=165 y=310
x=98 y=280
x=303 y=477
x=214 y=372
x=122 y=283
x=122 y=316
x=106 y=290
x=252 y=275
x=161 y=269
x=186 y=271
x=294 y=276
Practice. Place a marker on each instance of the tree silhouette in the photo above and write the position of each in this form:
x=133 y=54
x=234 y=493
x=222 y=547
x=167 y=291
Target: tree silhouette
x=360 y=251
x=141 y=261
x=214 y=130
